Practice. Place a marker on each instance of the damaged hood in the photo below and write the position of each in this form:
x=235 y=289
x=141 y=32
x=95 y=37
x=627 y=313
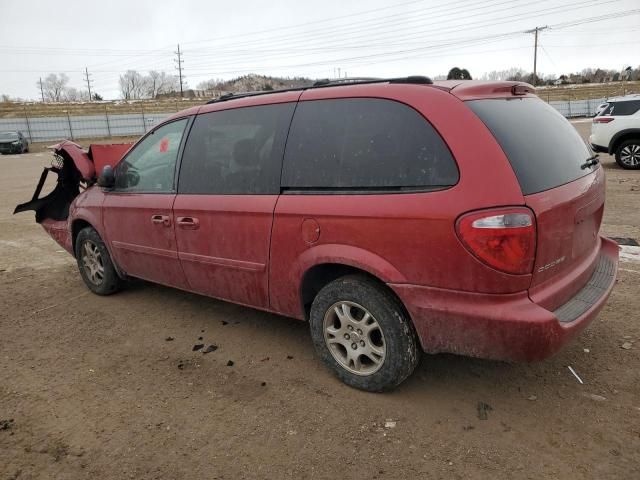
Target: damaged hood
x=109 y=154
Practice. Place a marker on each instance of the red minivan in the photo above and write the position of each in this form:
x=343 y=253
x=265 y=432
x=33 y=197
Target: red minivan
x=392 y=215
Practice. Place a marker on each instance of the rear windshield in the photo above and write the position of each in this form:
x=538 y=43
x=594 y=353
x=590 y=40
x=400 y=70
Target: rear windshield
x=544 y=149
x=8 y=136
x=628 y=107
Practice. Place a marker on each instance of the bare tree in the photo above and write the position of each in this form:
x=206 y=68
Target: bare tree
x=159 y=82
x=509 y=74
x=54 y=86
x=154 y=83
x=132 y=85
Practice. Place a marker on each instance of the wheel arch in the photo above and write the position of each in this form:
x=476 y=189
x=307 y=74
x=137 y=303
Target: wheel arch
x=76 y=226
x=81 y=222
x=321 y=274
x=622 y=136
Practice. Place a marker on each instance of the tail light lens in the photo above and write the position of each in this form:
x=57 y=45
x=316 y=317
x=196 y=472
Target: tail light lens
x=504 y=239
x=603 y=119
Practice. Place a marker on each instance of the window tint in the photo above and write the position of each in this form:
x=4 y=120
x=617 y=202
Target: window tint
x=236 y=151
x=150 y=166
x=362 y=143
x=543 y=148
x=628 y=107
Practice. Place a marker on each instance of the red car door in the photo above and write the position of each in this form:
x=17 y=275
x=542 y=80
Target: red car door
x=137 y=212
x=228 y=188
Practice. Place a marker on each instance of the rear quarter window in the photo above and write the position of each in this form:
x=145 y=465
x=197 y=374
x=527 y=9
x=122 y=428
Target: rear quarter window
x=544 y=149
x=364 y=144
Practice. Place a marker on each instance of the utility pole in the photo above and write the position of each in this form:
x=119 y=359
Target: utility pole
x=535 y=52
x=179 y=67
x=86 y=73
x=41 y=90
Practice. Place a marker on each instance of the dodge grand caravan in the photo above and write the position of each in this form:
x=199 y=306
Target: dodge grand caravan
x=392 y=215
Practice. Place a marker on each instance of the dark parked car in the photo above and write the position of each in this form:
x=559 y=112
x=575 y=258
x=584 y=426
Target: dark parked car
x=13 y=142
x=394 y=216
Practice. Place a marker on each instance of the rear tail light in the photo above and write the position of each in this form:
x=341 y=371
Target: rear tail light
x=504 y=239
x=603 y=119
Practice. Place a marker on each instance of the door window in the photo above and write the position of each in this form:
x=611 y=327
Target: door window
x=150 y=166
x=236 y=151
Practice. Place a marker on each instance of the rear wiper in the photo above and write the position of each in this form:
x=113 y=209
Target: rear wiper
x=591 y=161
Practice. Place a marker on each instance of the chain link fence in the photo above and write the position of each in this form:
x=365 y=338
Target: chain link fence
x=75 y=127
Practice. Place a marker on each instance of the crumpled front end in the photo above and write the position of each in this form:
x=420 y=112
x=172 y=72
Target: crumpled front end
x=74 y=169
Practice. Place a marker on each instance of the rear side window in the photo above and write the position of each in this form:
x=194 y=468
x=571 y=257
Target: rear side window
x=628 y=107
x=364 y=143
x=236 y=151
x=543 y=148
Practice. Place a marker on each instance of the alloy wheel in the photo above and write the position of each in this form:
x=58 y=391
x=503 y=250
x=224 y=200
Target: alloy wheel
x=92 y=262
x=354 y=338
x=630 y=155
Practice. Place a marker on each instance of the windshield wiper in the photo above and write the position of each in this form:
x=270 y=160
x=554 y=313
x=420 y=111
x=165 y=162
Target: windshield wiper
x=590 y=162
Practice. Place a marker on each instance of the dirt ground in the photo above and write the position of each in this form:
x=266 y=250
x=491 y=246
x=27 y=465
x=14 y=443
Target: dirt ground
x=92 y=387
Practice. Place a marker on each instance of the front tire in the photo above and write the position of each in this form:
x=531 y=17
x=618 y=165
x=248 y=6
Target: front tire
x=95 y=264
x=362 y=333
x=628 y=154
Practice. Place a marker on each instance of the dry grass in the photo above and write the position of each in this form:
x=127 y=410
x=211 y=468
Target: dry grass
x=38 y=109
x=588 y=90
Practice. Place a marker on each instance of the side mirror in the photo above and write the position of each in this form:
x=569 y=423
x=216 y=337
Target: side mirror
x=107 y=178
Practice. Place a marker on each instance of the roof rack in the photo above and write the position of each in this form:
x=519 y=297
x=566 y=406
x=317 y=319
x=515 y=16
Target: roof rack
x=415 y=79
x=346 y=80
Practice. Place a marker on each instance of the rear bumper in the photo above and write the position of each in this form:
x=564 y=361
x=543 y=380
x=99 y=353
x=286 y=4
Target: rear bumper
x=506 y=326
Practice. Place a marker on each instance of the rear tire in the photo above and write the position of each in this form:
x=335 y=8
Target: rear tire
x=628 y=154
x=95 y=264
x=362 y=333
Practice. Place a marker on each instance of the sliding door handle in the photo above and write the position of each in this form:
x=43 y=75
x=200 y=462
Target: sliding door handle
x=188 y=223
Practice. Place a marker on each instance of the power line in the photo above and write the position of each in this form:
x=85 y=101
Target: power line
x=452 y=29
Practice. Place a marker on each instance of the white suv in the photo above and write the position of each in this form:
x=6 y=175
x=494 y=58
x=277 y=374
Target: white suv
x=616 y=130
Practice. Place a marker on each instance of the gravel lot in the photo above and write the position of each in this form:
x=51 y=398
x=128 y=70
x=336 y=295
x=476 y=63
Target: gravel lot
x=92 y=387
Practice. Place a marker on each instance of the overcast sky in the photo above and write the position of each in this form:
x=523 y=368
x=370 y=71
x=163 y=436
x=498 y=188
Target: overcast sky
x=300 y=38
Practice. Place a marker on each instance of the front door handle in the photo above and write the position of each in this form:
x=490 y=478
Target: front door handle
x=161 y=219
x=188 y=223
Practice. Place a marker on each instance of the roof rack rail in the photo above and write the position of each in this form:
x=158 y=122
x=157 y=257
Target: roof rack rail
x=414 y=79
x=345 y=80
x=234 y=96
x=417 y=79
